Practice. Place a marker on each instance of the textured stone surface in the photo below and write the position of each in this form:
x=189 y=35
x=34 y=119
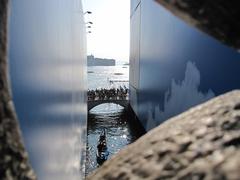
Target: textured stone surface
x=202 y=143
x=219 y=18
x=14 y=161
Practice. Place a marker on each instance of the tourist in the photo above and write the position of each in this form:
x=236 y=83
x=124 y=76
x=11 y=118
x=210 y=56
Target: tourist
x=113 y=93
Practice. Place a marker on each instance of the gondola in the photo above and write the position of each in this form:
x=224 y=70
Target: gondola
x=102 y=156
x=102 y=150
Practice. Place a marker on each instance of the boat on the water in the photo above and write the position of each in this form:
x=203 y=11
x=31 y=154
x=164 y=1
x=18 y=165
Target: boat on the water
x=102 y=150
x=102 y=156
x=118 y=74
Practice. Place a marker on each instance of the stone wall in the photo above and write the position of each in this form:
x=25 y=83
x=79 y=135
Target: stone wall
x=14 y=160
x=202 y=143
x=219 y=18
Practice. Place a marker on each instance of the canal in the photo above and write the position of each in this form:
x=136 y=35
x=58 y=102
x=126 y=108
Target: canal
x=121 y=129
x=121 y=125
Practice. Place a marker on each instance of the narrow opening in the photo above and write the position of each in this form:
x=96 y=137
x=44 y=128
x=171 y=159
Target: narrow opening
x=108 y=78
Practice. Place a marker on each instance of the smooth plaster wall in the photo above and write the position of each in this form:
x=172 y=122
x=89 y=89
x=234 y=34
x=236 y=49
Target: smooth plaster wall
x=47 y=54
x=174 y=66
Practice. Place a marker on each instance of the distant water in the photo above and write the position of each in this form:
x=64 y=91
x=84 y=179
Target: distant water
x=108 y=116
x=100 y=76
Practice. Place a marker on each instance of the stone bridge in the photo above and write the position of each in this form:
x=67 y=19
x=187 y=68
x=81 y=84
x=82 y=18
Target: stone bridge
x=93 y=103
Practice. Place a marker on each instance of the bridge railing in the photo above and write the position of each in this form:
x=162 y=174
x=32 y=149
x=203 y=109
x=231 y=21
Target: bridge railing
x=108 y=94
x=107 y=99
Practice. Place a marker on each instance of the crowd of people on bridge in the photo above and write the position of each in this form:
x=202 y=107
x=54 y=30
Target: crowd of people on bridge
x=107 y=94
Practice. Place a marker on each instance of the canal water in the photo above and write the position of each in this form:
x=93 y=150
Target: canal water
x=111 y=117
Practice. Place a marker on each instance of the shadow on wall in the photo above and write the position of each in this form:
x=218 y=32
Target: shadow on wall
x=179 y=97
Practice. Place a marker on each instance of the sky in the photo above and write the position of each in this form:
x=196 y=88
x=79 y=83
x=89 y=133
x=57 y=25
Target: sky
x=110 y=29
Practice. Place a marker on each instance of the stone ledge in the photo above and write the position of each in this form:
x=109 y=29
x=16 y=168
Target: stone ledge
x=202 y=143
x=219 y=19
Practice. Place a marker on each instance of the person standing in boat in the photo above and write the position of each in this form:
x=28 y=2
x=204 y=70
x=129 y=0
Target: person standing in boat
x=102 y=145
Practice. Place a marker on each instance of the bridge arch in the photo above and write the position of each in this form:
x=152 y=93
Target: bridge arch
x=94 y=103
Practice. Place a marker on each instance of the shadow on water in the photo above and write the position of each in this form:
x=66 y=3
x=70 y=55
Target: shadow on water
x=119 y=129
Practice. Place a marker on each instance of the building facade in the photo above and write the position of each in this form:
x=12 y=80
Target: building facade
x=47 y=51
x=92 y=61
x=174 y=66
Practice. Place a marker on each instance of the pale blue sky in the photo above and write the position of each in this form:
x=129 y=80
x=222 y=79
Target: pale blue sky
x=110 y=31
